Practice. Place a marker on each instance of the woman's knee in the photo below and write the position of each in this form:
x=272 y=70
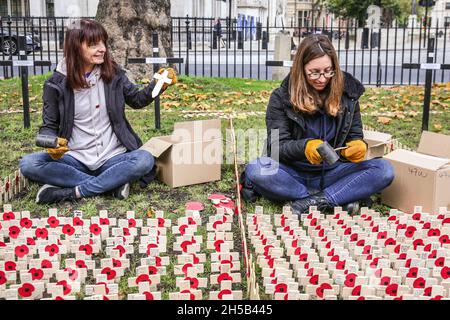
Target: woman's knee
x=144 y=162
x=31 y=163
x=385 y=171
x=258 y=170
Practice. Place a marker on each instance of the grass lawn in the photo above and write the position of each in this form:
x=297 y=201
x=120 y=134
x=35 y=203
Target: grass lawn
x=394 y=110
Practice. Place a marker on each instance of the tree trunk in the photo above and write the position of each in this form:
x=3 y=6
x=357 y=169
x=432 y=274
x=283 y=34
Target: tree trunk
x=130 y=25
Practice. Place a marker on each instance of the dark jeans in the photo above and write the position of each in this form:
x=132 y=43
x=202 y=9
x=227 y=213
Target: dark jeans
x=346 y=183
x=68 y=172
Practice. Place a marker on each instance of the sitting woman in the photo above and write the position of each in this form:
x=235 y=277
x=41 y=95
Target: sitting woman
x=316 y=102
x=84 y=107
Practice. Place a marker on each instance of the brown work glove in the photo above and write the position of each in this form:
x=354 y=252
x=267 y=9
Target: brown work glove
x=57 y=153
x=172 y=75
x=356 y=151
x=311 y=151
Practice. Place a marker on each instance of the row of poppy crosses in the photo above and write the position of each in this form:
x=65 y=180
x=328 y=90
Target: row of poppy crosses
x=37 y=249
x=400 y=256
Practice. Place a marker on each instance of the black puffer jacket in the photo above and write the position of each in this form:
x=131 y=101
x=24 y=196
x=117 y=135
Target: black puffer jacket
x=290 y=123
x=59 y=107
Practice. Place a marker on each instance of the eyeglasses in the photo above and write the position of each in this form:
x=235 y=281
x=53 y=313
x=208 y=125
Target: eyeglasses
x=317 y=75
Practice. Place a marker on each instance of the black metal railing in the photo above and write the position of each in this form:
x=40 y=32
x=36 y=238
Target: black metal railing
x=375 y=56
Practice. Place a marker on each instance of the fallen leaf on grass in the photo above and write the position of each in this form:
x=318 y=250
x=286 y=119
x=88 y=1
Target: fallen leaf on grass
x=438 y=126
x=383 y=120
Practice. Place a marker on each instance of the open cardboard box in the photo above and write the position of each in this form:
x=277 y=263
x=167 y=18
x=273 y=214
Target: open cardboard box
x=192 y=154
x=377 y=142
x=422 y=178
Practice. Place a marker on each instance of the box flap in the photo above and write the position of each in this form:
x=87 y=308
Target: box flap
x=435 y=144
x=197 y=130
x=375 y=138
x=157 y=145
x=418 y=159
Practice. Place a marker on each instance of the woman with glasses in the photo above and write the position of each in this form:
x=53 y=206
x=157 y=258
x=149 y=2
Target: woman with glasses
x=316 y=103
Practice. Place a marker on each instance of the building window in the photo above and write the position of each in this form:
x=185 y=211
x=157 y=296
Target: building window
x=3 y=8
x=447 y=22
x=50 y=8
x=447 y=6
x=303 y=18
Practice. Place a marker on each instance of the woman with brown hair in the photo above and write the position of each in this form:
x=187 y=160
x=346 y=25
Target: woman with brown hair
x=316 y=102
x=84 y=107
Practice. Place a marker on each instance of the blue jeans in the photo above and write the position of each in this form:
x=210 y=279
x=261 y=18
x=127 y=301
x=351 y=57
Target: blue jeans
x=68 y=172
x=343 y=184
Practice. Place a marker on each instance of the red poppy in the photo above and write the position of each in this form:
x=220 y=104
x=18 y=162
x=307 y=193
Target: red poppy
x=152 y=270
x=217 y=245
x=409 y=233
x=385 y=281
x=30 y=242
x=434 y=233
x=382 y=235
x=66 y=287
x=426 y=225
x=36 y=274
x=427 y=292
x=439 y=262
x=161 y=222
x=354 y=237
x=26 y=223
x=77 y=222
x=121 y=250
x=361 y=242
x=131 y=223
x=401 y=226
x=412 y=273
x=143 y=278
x=80 y=264
x=21 y=251
x=2 y=277
x=375 y=229
x=416 y=216
x=392 y=289
x=104 y=221
x=116 y=263
x=110 y=273
x=314 y=279
x=350 y=280
x=313 y=222
x=223 y=292
x=281 y=288
x=445 y=272
x=95 y=229
x=3 y=245
x=303 y=257
x=433 y=254
x=419 y=283
x=53 y=222
x=224 y=277
x=87 y=248
x=437 y=298
x=390 y=242
x=340 y=265
x=193 y=282
x=356 y=291
x=73 y=274
x=14 y=232
x=52 y=249
x=321 y=288
x=41 y=233
x=26 y=290
x=68 y=230
x=402 y=256
x=10 y=266
x=46 y=264
x=444 y=239
x=8 y=216
x=148 y=296
x=361 y=298
x=417 y=242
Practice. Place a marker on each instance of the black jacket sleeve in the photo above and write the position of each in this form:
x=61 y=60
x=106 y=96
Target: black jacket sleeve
x=134 y=96
x=356 y=127
x=50 y=112
x=279 y=124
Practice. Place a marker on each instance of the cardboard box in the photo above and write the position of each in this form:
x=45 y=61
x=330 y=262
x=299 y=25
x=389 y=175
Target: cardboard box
x=192 y=154
x=422 y=178
x=377 y=142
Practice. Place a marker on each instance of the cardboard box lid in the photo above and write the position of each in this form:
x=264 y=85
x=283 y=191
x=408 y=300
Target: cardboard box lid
x=158 y=145
x=417 y=159
x=434 y=144
x=199 y=130
x=375 y=138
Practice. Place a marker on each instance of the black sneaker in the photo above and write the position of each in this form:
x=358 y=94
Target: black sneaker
x=301 y=206
x=122 y=192
x=50 y=194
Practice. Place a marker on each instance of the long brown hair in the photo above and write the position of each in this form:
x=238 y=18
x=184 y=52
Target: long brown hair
x=303 y=96
x=91 y=32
